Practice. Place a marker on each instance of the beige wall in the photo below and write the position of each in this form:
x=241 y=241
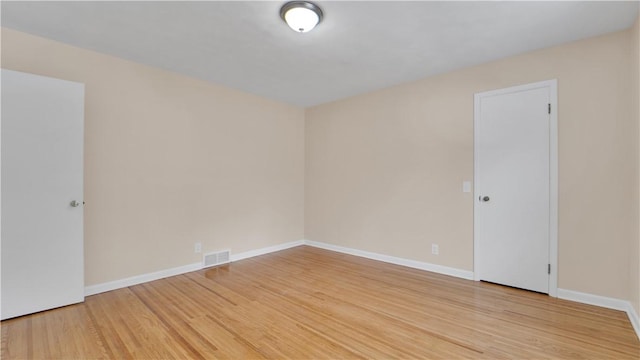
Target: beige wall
x=170 y=160
x=634 y=254
x=384 y=170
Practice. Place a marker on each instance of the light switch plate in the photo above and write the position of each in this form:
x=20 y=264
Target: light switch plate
x=466 y=186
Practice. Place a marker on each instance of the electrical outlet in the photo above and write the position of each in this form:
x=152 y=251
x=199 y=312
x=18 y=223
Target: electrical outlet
x=197 y=248
x=435 y=249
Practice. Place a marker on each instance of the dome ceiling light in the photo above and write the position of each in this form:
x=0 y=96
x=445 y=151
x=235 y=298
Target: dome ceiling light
x=301 y=16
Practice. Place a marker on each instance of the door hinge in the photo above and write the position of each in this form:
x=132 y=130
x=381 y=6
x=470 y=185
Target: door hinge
x=548 y=268
x=549 y=108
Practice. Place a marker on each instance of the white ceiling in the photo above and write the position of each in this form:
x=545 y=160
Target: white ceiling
x=359 y=47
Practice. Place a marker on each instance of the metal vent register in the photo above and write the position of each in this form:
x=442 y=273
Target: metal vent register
x=216 y=258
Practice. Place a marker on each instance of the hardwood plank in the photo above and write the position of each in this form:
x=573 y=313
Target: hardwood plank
x=308 y=303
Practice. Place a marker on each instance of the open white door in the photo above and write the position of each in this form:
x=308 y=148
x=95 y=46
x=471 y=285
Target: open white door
x=515 y=212
x=42 y=176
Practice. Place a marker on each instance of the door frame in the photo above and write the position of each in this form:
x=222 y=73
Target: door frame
x=552 y=85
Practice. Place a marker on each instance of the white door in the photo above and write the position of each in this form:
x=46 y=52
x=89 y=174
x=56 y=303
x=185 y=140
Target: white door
x=514 y=173
x=42 y=233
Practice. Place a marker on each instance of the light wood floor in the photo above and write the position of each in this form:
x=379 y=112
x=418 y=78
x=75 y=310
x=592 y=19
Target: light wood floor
x=307 y=303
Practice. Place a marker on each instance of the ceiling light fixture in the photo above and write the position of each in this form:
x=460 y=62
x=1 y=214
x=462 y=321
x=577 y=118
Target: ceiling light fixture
x=301 y=16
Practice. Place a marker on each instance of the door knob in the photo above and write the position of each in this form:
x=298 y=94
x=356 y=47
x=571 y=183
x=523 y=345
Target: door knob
x=484 y=198
x=75 y=203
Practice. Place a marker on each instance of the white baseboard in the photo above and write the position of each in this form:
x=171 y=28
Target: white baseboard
x=597 y=300
x=266 y=250
x=603 y=301
x=635 y=319
x=464 y=274
x=585 y=298
x=139 y=279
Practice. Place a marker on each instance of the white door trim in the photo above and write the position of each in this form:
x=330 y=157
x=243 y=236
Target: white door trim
x=552 y=85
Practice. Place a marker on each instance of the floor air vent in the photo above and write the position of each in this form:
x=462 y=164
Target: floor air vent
x=216 y=258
